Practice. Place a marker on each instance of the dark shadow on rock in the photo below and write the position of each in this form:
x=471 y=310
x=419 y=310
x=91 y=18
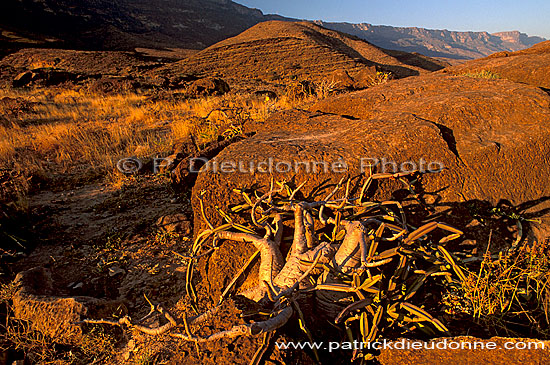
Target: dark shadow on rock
x=484 y=224
x=415 y=59
x=185 y=173
x=447 y=134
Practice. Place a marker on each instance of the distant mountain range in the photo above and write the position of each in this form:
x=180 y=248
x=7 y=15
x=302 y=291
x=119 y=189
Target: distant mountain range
x=437 y=43
x=196 y=24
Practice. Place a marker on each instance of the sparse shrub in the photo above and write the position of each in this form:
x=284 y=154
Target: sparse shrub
x=380 y=78
x=483 y=74
x=510 y=292
x=326 y=88
x=220 y=123
x=299 y=90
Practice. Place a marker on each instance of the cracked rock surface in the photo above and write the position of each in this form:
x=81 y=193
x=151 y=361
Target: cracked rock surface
x=492 y=137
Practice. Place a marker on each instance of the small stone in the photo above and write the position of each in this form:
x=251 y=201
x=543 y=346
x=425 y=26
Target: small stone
x=473 y=223
x=113 y=271
x=22 y=79
x=175 y=223
x=430 y=199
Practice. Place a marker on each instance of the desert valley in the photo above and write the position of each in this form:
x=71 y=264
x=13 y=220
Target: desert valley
x=202 y=183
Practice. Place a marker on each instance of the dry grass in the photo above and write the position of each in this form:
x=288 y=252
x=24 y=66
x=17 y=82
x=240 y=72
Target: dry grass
x=95 y=347
x=512 y=291
x=61 y=133
x=66 y=129
x=70 y=131
x=483 y=74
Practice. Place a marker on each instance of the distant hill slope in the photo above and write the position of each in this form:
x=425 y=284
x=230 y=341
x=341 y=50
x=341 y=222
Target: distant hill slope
x=437 y=43
x=126 y=24
x=80 y=62
x=197 y=24
x=277 y=50
x=529 y=66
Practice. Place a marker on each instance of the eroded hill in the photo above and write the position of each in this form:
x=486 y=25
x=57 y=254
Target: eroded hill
x=124 y=24
x=276 y=50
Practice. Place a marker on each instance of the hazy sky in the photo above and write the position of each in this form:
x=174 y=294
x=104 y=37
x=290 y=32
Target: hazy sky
x=528 y=16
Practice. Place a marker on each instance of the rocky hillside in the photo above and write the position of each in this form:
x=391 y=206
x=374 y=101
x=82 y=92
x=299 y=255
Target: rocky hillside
x=125 y=24
x=529 y=66
x=278 y=50
x=476 y=127
x=438 y=43
x=196 y=24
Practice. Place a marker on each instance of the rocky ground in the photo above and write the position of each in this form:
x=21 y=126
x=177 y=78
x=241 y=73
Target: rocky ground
x=528 y=66
x=311 y=52
x=101 y=247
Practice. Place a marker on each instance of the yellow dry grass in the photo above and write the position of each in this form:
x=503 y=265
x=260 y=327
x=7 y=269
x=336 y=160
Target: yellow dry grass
x=74 y=131
x=511 y=288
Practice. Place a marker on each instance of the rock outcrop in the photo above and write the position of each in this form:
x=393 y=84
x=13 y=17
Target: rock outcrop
x=37 y=301
x=207 y=86
x=492 y=138
x=530 y=66
x=44 y=77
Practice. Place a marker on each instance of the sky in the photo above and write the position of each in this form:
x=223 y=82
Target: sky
x=527 y=16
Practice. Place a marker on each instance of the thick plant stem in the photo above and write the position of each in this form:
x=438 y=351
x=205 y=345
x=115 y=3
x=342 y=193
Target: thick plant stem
x=332 y=270
x=299 y=244
x=153 y=331
x=271 y=260
x=278 y=236
x=294 y=268
x=252 y=329
x=352 y=248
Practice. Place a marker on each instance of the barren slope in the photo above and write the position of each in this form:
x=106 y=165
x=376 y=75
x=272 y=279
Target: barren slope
x=530 y=66
x=125 y=24
x=85 y=62
x=277 y=50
